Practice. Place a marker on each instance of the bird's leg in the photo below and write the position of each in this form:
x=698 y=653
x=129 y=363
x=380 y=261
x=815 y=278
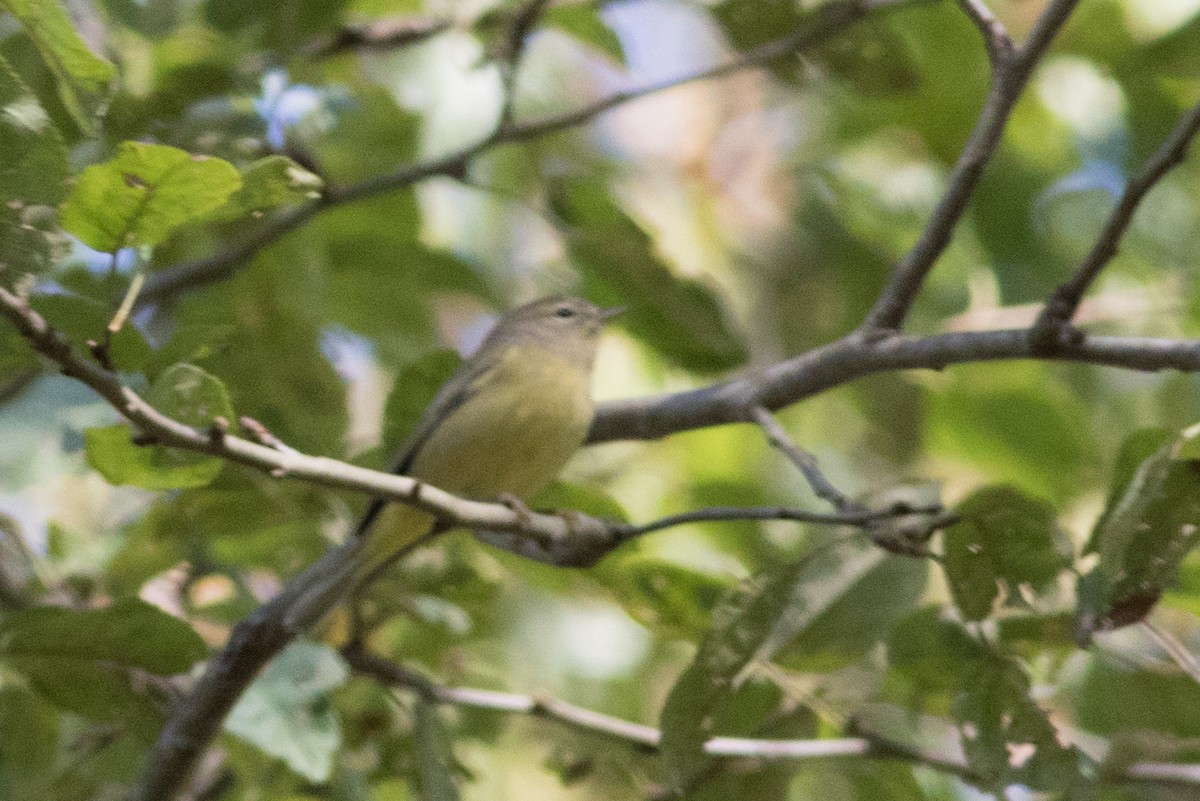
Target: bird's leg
x=524 y=513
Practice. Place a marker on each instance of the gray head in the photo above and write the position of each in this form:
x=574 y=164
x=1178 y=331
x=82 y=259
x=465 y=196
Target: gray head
x=564 y=325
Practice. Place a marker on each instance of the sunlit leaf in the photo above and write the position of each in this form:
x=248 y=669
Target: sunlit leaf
x=185 y=393
x=267 y=183
x=1004 y=539
x=145 y=193
x=286 y=711
x=1149 y=527
x=584 y=23
x=83 y=77
x=681 y=317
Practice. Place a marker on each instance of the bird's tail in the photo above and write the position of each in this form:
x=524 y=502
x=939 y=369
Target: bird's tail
x=343 y=570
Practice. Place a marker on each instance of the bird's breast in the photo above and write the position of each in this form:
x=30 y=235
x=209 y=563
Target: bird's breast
x=525 y=419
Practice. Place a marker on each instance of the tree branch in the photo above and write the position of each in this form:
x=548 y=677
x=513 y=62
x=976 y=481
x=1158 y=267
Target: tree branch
x=829 y=21
x=804 y=461
x=856 y=356
x=1052 y=325
x=648 y=738
x=1011 y=69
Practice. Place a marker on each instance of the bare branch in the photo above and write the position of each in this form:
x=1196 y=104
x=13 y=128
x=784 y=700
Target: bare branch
x=647 y=738
x=1052 y=324
x=804 y=461
x=1010 y=72
x=996 y=40
x=830 y=20
x=382 y=34
x=523 y=22
x=857 y=356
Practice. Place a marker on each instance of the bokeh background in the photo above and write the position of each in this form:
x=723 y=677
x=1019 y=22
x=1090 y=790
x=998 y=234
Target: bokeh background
x=744 y=219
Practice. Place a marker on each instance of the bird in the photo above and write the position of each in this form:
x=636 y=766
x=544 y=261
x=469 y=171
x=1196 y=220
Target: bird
x=501 y=428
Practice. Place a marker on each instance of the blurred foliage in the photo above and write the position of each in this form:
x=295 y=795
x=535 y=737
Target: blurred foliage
x=742 y=221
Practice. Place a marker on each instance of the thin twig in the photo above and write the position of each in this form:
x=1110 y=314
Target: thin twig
x=996 y=40
x=648 y=738
x=524 y=20
x=1052 y=324
x=1011 y=69
x=804 y=461
x=856 y=356
x=829 y=21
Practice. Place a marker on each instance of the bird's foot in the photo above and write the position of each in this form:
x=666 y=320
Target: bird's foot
x=524 y=513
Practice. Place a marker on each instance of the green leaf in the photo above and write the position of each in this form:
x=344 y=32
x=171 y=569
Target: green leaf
x=1143 y=536
x=267 y=183
x=35 y=164
x=933 y=653
x=412 y=391
x=662 y=595
x=112 y=452
x=29 y=742
x=185 y=393
x=1000 y=722
x=584 y=23
x=434 y=758
x=1113 y=697
x=988 y=694
x=561 y=496
x=287 y=713
x=82 y=76
x=742 y=623
x=145 y=193
x=129 y=633
x=845 y=601
x=680 y=317
x=82 y=319
x=1004 y=538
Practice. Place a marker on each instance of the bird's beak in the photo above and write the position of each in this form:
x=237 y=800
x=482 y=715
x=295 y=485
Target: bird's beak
x=609 y=313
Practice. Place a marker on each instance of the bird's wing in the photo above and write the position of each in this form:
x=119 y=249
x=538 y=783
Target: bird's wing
x=463 y=385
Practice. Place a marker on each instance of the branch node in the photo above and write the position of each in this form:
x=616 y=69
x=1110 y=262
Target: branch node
x=142 y=438
x=99 y=351
x=218 y=429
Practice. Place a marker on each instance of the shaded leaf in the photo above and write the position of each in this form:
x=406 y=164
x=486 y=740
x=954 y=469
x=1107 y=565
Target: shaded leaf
x=741 y=624
x=185 y=393
x=129 y=633
x=680 y=317
x=82 y=319
x=286 y=711
x=1003 y=539
x=412 y=391
x=584 y=23
x=1006 y=736
x=145 y=193
x=561 y=496
x=1113 y=698
x=1148 y=529
x=29 y=742
x=845 y=600
x=662 y=595
x=82 y=76
x=267 y=183
x=35 y=158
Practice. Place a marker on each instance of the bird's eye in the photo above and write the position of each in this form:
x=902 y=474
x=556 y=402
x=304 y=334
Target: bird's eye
x=564 y=311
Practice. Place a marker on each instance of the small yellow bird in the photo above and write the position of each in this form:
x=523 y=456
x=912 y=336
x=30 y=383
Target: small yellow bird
x=501 y=427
